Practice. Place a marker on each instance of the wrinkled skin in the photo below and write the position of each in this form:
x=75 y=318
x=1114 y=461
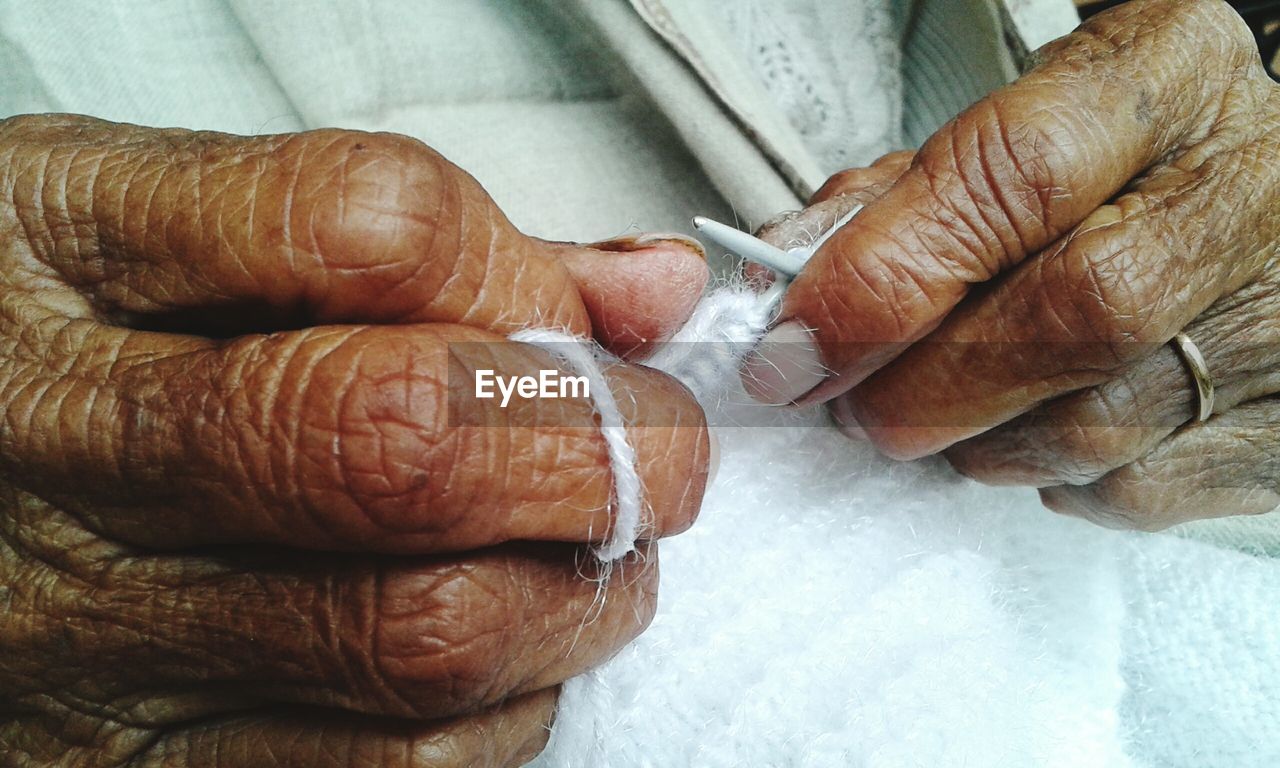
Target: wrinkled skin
x=226 y=547
x=1007 y=295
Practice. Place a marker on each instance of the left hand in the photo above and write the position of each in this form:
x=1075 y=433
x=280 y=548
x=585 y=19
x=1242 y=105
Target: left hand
x=1009 y=299
x=240 y=522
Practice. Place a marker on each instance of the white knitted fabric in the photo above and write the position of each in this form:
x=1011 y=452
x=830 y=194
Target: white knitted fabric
x=945 y=628
x=832 y=608
x=953 y=625
x=723 y=328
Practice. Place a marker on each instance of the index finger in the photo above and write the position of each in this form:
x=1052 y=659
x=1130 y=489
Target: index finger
x=1002 y=181
x=332 y=438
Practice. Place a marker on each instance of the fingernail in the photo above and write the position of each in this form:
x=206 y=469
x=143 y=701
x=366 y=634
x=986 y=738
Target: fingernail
x=784 y=365
x=671 y=237
x=713 y=459
x=648 y=240
x=842 y=414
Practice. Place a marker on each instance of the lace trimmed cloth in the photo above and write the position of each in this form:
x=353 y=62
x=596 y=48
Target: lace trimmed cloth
x=802 y=52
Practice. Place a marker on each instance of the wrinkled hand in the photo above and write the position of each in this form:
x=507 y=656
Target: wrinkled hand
x=1009 y=294
x=227 y=548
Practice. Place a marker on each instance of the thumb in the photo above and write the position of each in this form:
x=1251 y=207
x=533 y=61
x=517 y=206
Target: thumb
x=637 y=290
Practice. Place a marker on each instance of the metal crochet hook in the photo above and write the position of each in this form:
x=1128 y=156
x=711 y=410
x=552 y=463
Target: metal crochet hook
x=749 y=247
x=786 y=263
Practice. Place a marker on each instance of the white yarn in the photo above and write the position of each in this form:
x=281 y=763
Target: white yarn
x=704 y=355
x=581 y=355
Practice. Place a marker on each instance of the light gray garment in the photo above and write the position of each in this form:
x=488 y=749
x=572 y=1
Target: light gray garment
x=581 y=120
x=501 y=88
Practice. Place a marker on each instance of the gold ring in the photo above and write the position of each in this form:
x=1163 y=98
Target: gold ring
x=1199 y=372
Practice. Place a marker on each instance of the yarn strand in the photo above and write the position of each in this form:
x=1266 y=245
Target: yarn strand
x=628 y=492
x=703 y=355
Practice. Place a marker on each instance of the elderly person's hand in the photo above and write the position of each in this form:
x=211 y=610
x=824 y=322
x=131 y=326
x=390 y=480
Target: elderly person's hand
x=1010 y=296
x=226 y=548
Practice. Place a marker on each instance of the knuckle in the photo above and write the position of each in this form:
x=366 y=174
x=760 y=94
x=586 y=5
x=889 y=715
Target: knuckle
x=376 y=436
x=336 y=436
x=1031 y=153
x=462 y=636
x=1121 y=517
x=1011 y=158
x=1038 y=452
x=1112 y=502
x=1185 y=59
x=1081 y=455
x=1086 y=435
x=1126 y=509
x=1078 y=454
x=453 y=635
x=1219 y=19
x=1190 y=25
x=381 y=206
x=1102 y=289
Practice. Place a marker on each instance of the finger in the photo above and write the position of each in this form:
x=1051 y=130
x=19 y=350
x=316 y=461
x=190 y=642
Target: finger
x=638 y=290
x=231 y=233
x=1225 y=466
x=1080 y=437
x=418 y=640
x=874 y=180
x=346 y=438
x=509 y=734
x=798 y=230
x=1132 y=276
x=1006 y=179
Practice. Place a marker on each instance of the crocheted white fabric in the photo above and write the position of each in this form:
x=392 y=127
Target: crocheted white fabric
x=832 y=608
x=836 y=608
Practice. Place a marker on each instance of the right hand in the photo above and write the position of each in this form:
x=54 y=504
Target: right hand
x=1010 y=301
x=242 y=549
